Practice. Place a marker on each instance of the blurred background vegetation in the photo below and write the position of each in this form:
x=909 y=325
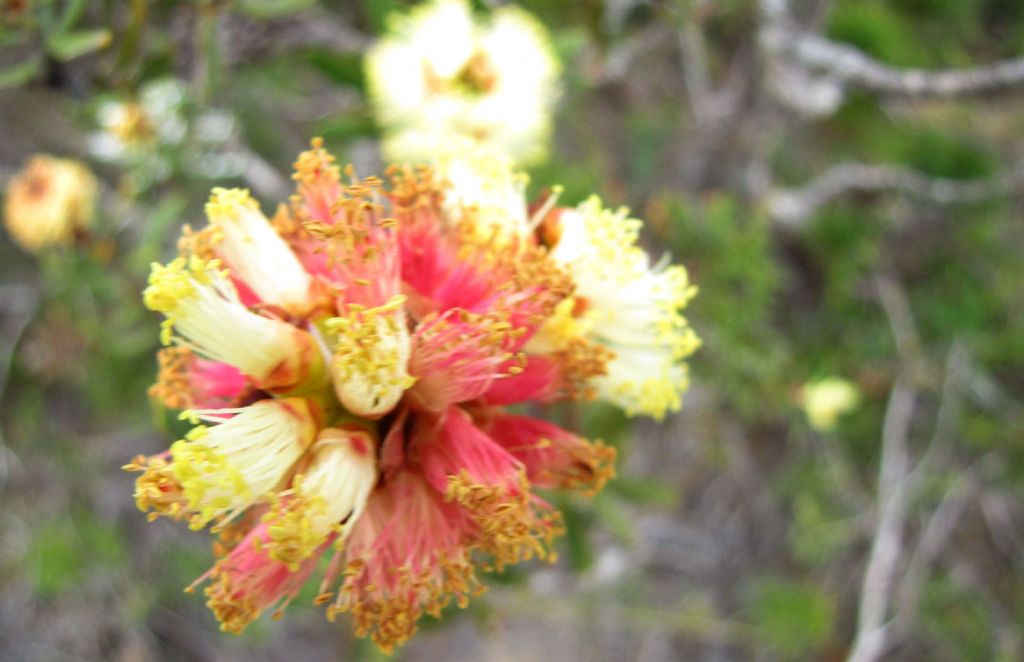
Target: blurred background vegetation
x=840 y=219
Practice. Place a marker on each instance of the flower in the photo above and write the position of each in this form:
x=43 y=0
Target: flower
x=202 y=304
x=254 y=252
x=247 y=581
x=153 y=132
x=328 y=496
x=50 y=202
x=223 y=469
x=623 y=312
x=132 y=128
x=825 y=400
x=479 y=182
x=349 y=364
x=186 y=381
x=443 y=74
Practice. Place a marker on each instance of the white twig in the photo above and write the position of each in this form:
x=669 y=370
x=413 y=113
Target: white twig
x=948 y=417
x=872 y=638
x=793 y=207
x=930 y=544
x=693 y=57
x=901 y=321
x=852 y=67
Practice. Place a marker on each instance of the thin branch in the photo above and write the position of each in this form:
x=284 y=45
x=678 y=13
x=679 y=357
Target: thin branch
x=948 y=417
x=933 y=539
x=901 y=321
x=851 y=66
x=871 y=640
x=24 y=302
x=696 y=76
x=793 y=207
x=873 y=630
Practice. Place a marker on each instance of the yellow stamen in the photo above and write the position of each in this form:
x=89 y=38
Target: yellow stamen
x=513 y=528
x=371 y=354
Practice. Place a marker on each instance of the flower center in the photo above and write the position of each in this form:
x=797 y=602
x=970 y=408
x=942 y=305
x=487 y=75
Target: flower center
x=479 y=75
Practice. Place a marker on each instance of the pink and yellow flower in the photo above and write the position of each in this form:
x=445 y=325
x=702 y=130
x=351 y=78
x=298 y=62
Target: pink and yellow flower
x=349 y=365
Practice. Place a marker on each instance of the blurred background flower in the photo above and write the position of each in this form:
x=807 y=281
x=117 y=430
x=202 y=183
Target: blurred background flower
x=50 y=202
x=162 y=133
x=443 y=72
x=825 y=400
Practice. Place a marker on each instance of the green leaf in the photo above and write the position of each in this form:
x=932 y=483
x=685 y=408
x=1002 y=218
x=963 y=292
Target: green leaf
x=167 y=211
x=577 y=540
x=792 y=618
x=605 y=421
x=644 y=491
x=342 y=129
x=72 y=13
x=341 y=68
x=68 y=45
x=64 y=550
x=20 y=74
x=273 y=8
x=377 y=12
x=612 y=514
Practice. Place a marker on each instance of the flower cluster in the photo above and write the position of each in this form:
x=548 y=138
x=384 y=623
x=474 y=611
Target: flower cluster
x=154 y=132
x=349 y=366
x=50 y=203
x=442 y=74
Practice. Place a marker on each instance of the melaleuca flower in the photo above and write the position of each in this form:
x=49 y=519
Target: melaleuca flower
x=624 y=306
x=442 y=74
x=186 y=381
x=201 y=303
x=349 y=364
x=254 y=252
x=223 y=469
x=328 y=496
x=247 y=581
x=49 y=203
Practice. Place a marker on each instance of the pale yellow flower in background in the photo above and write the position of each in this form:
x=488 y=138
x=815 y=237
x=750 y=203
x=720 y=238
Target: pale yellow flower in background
x=131 y=129
x=480 y=184
x=49 y=202
x=442 y=73
x=825 y=400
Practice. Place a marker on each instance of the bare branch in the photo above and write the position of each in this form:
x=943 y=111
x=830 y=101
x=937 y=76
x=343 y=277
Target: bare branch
x=871 y=640
x=793 y=207
x=878 y=586
x=950 y=407
x=696 y=76
x=901 y=321
x=931 y=542
x=851 y=66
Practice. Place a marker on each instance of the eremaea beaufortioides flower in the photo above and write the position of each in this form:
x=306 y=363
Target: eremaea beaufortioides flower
x=349 y=363
x=443 y=73
x=50 y=203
